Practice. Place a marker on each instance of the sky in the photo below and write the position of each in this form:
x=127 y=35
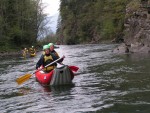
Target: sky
x=52 y=6
x=52 y=9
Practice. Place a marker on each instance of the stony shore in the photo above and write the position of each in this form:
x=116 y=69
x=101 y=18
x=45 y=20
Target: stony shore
x=133 y=48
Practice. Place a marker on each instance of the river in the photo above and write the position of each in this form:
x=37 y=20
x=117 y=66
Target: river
x=105 y=83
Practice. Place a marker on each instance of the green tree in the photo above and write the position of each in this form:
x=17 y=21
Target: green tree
x=91 y=20
x=20 y=22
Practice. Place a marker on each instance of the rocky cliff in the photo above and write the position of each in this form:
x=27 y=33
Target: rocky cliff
x=137 y=28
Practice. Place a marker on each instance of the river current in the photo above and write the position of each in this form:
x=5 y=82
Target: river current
x=105 y=83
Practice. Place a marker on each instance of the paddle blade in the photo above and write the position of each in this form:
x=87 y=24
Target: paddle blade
x=23 y=78
x=74 y=68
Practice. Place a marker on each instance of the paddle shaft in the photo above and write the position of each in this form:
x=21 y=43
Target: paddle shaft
x=48 y=65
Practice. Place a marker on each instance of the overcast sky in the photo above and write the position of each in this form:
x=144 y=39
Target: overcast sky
x=52 y=9
x=52 y=6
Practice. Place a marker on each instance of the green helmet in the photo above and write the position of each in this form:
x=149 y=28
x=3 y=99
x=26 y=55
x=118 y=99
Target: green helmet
x=45 y=47
x=50 y=44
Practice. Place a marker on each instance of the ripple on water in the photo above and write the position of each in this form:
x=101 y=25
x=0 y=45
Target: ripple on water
x=106 y=83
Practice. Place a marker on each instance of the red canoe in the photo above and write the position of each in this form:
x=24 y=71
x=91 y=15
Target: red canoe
x=58 y=76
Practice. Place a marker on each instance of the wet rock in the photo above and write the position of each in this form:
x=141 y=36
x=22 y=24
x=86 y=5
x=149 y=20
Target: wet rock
x=137 y=30
x=121 y=49
x=145 y=49
x=135 y=47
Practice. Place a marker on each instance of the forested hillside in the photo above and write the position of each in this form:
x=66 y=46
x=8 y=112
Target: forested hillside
x=20 y=22
x=90 y=21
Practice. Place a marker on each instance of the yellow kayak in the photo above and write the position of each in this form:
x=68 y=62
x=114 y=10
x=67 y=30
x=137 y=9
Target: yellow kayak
x=32 y=55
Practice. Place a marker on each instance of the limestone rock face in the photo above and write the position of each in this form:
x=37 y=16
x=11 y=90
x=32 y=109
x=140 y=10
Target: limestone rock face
x=137 y=27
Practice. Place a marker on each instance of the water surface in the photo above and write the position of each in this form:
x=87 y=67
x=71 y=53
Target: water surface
x=105 y=83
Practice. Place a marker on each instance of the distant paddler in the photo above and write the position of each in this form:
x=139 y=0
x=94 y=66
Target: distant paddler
x=32 y=51
x=25 y=52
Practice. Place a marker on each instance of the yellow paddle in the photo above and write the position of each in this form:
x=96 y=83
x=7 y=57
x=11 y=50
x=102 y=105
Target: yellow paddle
x=26 y=77
x=23 y=78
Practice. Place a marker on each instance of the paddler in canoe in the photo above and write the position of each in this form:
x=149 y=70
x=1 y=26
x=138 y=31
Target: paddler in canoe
x=59 y=76
x=47 y=58
x=53 y=52
x=51 y=74
x=32 y=51
x=25 y=52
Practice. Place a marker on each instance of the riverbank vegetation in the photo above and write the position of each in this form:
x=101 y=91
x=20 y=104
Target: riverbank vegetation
x=20 y=23
x=80 y=21
x=91 y=20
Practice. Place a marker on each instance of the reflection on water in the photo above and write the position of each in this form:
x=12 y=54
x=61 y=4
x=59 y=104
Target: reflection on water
x=105 y=83
x=57 y=89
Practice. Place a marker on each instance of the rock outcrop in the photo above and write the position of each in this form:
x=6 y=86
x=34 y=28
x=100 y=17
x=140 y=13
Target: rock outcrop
x=137 y=28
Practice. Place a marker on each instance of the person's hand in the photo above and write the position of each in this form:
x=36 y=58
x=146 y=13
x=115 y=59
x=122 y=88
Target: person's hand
x=63 y=57
x=61 y=63
x=41 y=67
